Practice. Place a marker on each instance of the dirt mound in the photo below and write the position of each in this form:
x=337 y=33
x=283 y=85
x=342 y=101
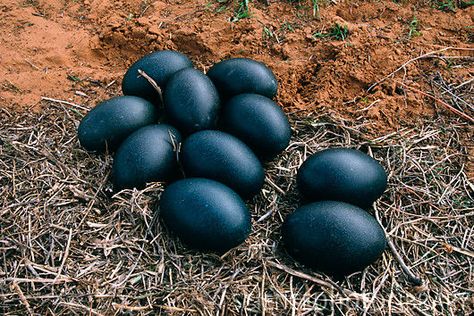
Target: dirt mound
x=73 y=50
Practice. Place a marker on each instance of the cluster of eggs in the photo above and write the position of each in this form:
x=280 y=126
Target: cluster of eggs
x=215 y=129
x=208 y=136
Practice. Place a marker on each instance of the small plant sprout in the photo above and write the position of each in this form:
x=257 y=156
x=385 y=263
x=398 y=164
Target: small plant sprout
x=287 y=27
x=413 y=28
x=446 y=6
x=337 y=32
x=242 y=11
x=316 y=8
x=269 y=34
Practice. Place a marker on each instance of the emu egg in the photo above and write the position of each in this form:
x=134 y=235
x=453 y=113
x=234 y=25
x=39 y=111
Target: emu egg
x=222 y=157
x=205 y=214
x=258 y=122
x=147 y=155
x=342 y=174
x=241 y=75
x=333 y=237
x=111 y=121
x=159 y=66
x=191 y=101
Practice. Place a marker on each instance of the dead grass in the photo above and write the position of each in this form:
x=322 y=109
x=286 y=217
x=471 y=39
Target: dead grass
x=70 y=248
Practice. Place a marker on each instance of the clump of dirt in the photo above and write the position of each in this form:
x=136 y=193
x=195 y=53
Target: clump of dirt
x=73 y=50
x=43 y=48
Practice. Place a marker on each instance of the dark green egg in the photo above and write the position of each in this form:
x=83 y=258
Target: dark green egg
x=160 y=66
x=257 y=121
x=241 y=75
x=342 y=174
x=222 y=157
x=148 y=155
x=333 y=237
x=191 y=101
x=111 y=121
x=205 y=214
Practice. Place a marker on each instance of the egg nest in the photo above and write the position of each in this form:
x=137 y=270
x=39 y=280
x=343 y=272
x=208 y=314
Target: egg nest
x=70 y=246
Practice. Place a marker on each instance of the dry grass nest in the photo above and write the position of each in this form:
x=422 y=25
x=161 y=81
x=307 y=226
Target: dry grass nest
x=69 y=247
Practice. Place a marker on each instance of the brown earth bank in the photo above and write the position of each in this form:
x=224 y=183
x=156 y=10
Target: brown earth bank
x=73 y=49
